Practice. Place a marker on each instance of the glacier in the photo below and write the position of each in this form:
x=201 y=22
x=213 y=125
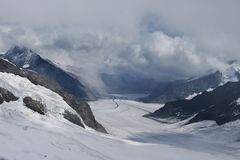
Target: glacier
x=27 y=135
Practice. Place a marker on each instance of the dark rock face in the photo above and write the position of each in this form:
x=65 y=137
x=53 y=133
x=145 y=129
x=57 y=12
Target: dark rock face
x=171 y=91
x=219 y=105
x=221 y=113
x=84 y=110
x=34 y=105
x=72 y=118
x=26 y=58
x=6 y=96
x=81 y=107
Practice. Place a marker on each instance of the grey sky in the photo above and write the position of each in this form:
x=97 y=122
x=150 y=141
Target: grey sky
x=158 y=38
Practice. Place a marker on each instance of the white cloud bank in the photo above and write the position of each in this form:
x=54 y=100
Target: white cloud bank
x=164 y=39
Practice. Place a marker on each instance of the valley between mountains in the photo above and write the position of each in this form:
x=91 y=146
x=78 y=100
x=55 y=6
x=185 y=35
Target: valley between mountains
x=119 y=80
x=41 y=119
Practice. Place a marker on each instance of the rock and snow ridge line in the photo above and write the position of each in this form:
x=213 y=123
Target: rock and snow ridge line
x=24 y=57
x=188 y=88
x=21 y=87
x=220 y=105
x=81 y=107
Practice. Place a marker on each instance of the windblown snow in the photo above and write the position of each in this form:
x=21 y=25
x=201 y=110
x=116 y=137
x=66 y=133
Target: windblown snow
x=238 y=101
x=191 y=96
x=231 y=73
x=26 y=135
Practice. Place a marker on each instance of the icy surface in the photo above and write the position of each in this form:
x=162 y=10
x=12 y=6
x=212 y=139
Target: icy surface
x=37 y=138
x=26 y=66
x=127 y=115
x=125 y=121
x=22 y=87
x=238 y=101
x=191 y=96
x=26 y=135
x=230 y=73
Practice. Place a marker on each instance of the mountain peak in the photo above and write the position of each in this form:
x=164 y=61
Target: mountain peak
x=231 y=72
x=20 y=50
x=25 y=58
x=21 y=56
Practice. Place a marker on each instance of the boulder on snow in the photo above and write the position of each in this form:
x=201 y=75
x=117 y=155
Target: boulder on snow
x=6 y=96
x=34 y=105
x=72 y=118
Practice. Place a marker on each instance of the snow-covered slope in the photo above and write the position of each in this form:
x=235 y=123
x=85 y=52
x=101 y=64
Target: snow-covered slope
x=22 y=87
x=81 y=107
x=231 y=73
x=23 y=57
x=37 y=137
x=22 y=139
x=27 y=135
x=123 y=118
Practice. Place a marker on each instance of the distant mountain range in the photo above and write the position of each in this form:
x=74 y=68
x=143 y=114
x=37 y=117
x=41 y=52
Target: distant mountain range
x=221 y=105
x=181 y=89
x=25 y=58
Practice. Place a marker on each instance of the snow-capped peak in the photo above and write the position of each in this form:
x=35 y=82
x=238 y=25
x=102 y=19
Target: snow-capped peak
x=231 y=73
x=238 y=101
x=21 y=56
x=19 y=50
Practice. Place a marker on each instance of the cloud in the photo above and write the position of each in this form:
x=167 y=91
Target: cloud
x=165 y=39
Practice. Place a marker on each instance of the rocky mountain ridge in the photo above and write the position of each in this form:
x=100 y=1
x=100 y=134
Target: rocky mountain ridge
x=26 y=58
x=220 y=105
x=81 y=107
x=181 y=89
